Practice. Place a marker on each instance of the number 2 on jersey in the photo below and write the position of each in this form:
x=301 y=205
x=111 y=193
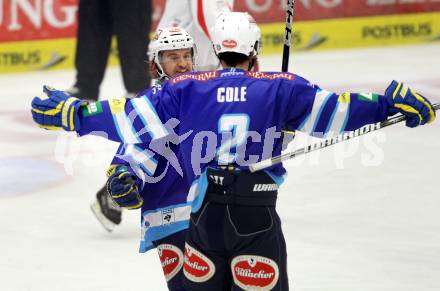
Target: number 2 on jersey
x=233 y=129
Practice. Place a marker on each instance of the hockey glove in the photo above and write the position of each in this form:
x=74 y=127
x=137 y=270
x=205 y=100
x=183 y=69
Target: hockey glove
x=417 y=109
x=123 y=188
x=59 y=111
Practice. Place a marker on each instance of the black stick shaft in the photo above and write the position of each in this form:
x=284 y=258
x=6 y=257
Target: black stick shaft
x=287 y=35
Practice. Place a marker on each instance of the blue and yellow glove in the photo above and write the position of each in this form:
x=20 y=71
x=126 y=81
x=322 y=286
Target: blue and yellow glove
x=123 y=188
x=59 y=111
x=417 y=109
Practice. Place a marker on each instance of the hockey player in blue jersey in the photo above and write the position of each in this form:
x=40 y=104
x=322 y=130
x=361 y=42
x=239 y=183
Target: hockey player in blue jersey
x=227 y=120
x=170 y=53
x=165 y=211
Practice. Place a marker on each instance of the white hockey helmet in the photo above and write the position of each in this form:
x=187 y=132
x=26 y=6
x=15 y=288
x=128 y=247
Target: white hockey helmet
x=236 y=32
x=170 y=38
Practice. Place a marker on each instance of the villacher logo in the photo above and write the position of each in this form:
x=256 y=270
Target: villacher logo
x=171 y=259
x=254 y=272
x=197 y=267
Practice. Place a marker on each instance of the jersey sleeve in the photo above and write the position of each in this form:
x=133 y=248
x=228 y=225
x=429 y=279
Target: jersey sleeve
x=128 y=121
x=138 y=158
x=323 y=113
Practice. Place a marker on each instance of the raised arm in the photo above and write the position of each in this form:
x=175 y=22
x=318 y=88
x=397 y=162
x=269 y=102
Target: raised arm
x=128 y=121
x=323 y=113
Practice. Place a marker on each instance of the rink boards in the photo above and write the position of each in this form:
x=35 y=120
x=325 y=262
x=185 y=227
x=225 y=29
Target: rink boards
x=33 y=55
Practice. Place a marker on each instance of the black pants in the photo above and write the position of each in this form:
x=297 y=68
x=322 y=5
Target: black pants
x=235 y=247
x=98 y=20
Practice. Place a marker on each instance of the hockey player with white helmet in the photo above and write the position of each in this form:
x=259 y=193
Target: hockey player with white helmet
x=237 y=34
x=197 y=17
x=169 y=44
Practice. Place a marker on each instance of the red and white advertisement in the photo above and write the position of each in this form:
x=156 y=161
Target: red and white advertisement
x=50 y=19
x=266 y=11
x=37 y=19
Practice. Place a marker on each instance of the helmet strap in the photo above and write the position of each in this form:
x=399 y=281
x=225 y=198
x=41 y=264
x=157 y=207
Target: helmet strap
x=160 y=71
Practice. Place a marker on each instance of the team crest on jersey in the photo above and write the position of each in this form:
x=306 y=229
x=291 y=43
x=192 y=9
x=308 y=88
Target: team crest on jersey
x=197 y=267
x=171 y=259
x=254 y=272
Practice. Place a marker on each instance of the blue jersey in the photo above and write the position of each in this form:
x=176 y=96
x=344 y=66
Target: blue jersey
x=165 y=209
x=234 y=117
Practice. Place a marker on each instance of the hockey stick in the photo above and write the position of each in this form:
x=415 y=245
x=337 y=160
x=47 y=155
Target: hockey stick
x=287 y=43
x=330 y=141
x=287 y=35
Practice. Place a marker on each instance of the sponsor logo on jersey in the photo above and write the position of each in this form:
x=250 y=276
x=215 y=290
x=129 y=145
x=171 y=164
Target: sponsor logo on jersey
x=344 y=97
x=254 y=272
x=204 y=76
x=271 y=76
x=232 y=72
x=368 y=97
x=197 y=267
x=265 y=187
x=92 y=109
x=117 y=105
x=171 y=259
x=229 y=43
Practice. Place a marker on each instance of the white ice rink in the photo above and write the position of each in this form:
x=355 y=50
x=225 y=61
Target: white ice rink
x=362 y=216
